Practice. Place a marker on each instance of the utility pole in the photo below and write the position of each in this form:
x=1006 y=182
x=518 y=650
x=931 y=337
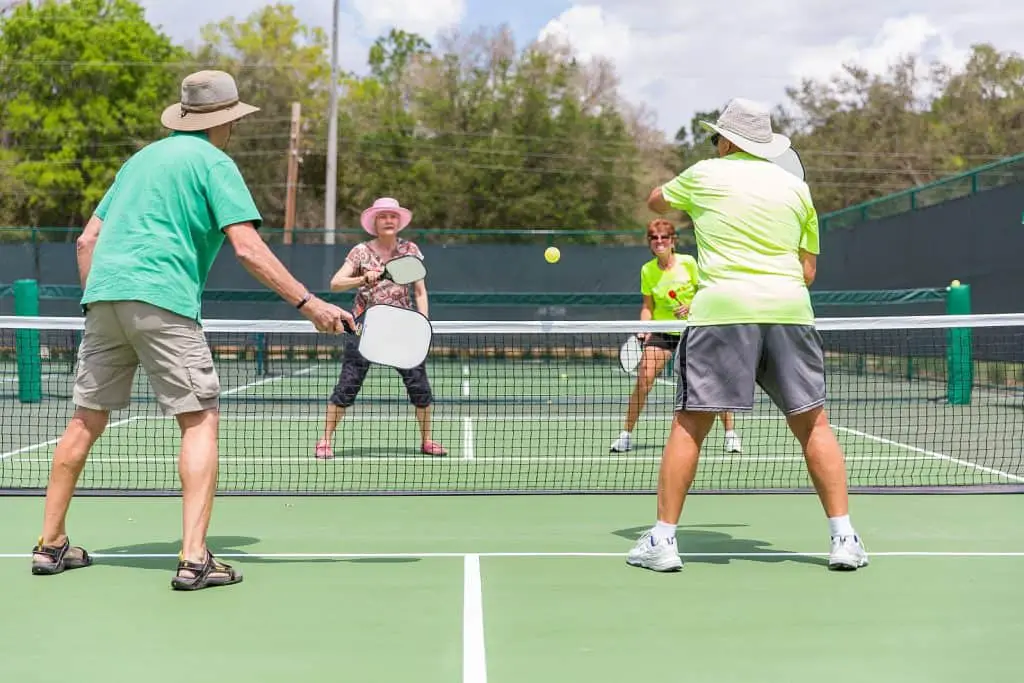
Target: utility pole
x=330 y=197
x=293 y=172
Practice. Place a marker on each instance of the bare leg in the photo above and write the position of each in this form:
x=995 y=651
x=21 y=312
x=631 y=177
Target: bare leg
x=679 y=462
x=334 y=415
x=69 y=458
x=728 y=421
x=197 y=467
x=423 y=417
x=824 y=459
x=651 y=364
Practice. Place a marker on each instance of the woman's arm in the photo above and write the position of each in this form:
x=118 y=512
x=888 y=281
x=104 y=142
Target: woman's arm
x=646 y=313
x=346 y=279
x=419 y=291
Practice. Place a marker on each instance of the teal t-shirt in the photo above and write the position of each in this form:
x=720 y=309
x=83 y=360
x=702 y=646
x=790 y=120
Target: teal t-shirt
x=751 y=219
x=162 y=224
x=656 y=283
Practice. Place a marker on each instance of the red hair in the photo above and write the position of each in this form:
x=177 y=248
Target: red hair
x=660 y=226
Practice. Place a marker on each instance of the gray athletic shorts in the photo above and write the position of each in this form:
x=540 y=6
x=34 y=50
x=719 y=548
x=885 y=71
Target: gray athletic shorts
x=717 y=367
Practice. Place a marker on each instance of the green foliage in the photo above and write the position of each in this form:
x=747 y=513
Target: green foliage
x=276 y=60
x=84 y=84
x=474 y=132
x=481 y=134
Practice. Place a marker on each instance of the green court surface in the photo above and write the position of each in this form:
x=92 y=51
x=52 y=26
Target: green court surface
x=522 y=588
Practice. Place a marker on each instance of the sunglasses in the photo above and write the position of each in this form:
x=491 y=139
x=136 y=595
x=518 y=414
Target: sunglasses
x=659 y=238
x=715 y=138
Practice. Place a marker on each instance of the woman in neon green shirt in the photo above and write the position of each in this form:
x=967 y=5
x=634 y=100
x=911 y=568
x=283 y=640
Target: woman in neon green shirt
x=668 y=283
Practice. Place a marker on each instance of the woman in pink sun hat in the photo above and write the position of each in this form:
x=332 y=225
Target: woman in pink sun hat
x=362 y=270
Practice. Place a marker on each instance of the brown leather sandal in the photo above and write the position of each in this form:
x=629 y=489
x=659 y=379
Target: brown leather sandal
x=210 y=573
x=58 y=558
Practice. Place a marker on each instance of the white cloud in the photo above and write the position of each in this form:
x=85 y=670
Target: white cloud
x=425 y=17
x=592 y=32
x=898 y=37
x=678 y=58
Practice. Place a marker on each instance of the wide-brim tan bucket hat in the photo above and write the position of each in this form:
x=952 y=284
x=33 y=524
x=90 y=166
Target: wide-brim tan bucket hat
x=748 y=125
x=208 y=99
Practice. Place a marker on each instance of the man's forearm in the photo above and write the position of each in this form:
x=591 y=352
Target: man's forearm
x=85 y=245
x=84 y=262
x=261 y=263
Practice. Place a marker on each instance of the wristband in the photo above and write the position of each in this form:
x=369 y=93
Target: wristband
x=305 y=300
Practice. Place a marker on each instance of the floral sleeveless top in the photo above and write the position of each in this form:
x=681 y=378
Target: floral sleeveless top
x=364 y=259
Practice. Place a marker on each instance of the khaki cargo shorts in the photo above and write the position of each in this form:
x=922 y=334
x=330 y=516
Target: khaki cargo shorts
x=121 y=335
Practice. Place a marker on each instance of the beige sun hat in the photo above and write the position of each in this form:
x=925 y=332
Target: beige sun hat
x=748 y=125
x=208 y=99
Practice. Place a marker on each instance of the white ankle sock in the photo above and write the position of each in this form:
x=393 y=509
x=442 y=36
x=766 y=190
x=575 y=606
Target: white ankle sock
x=841 y=526
x=663 y=531
x=731 y=433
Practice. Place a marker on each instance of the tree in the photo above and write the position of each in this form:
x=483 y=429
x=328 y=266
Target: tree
x=276 y=60
x=476 y=134
x=982 y=107
x=84 y=84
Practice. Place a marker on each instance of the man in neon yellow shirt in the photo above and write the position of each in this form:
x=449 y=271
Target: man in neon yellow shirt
x=667 y=283
x=751 y=322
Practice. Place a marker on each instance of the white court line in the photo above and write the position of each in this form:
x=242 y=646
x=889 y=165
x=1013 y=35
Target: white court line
x=474 y=658
x=467 y=422
x=134 y=418
x=269 y=380
x=451 y=555
x=932 y=454
x=51 y=442
x=467 y=438
x=486 y=460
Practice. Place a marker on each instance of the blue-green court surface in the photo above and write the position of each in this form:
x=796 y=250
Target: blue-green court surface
x=515 y=588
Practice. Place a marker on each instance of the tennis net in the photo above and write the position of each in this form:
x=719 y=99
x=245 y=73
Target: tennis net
x=919 y=404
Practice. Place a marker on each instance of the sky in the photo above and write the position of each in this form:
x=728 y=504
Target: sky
x=675 y=57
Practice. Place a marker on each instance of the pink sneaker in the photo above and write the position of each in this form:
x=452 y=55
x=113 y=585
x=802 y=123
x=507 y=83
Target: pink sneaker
x=433 y=448
x=323 y=450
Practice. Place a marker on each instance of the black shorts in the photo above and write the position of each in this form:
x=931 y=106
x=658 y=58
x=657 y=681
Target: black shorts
x=663 y=340
x=353 y=373
x=718 y=365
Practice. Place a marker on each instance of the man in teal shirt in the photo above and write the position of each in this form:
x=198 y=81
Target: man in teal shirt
x=143 y=260
x=751 y=322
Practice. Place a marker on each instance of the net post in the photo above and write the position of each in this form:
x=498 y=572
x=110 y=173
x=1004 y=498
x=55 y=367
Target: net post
x=26 y=343
x=261 y=361
x=959 y=363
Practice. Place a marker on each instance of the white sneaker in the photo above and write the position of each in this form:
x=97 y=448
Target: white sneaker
x=848 y=553
x=733 y=444
x=623 y=443
x=659 y=556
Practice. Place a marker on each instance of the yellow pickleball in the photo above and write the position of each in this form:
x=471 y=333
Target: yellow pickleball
x=551 y=254
x=955 y=283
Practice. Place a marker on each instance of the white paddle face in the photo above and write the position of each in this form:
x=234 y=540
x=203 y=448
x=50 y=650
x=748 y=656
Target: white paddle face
x=790 y=161
x=393 y=336
x=629 y=355
x=405 y=270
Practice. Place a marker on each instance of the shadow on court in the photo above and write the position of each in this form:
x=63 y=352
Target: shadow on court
x=722 y=547
x=219 y=546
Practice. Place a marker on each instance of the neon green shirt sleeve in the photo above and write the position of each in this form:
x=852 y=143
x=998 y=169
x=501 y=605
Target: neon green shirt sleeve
x=646 y=286
x=809 y=236
x=678 y=192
